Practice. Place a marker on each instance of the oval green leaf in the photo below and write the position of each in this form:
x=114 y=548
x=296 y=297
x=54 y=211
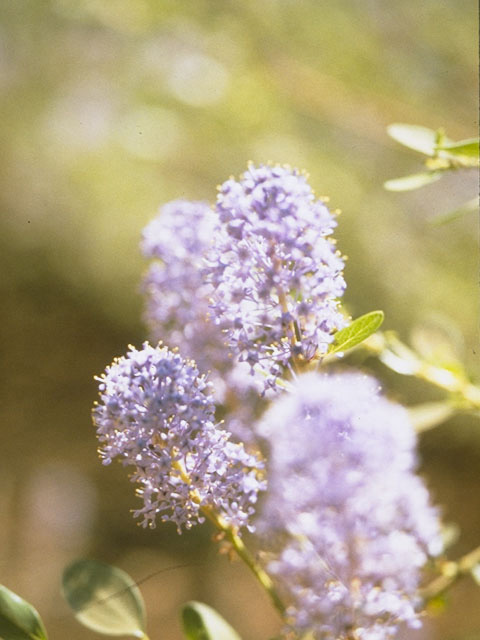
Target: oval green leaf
x=356 y=332
x=466 y=148
x=414 y=181
x=201 y=622
x=104 y=598
x=18 y=619
x=414 y=137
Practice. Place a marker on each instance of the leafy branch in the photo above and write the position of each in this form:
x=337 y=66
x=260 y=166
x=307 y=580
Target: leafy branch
x=442 y=154
x=398 y=357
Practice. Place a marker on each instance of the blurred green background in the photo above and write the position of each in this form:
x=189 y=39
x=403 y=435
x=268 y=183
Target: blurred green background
x=110 y=108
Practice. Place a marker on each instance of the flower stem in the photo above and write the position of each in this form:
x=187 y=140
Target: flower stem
x=243 y=553
x=236 y=541
x=451 y=572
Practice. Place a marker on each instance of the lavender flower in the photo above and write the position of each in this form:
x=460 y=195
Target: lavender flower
x=348 y=523
x=156 y=414
x=177 y=297
x=178 y=307
x=275 y=272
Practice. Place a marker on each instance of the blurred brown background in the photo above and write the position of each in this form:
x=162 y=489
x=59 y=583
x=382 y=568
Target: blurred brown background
x=112 y=107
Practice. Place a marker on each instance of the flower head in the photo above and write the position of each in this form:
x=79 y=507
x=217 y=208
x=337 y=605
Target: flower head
x=275 y=272
x=352 y=522
x=178 y=307
x=177 y=297
x=156 y=414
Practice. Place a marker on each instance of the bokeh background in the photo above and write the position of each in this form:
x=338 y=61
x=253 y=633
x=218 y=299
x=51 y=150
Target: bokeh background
x=110 y=108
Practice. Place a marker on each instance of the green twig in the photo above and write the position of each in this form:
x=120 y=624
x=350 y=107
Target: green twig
x=400 y=358
x=451 y=572
x=243 y=553
x=236 y=541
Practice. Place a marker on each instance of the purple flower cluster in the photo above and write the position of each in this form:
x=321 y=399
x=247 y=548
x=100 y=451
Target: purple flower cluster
x=347 y=521
x=156 y=414
x=276 y=274
x=177 y=297
x=253 y=286
x=178 y=307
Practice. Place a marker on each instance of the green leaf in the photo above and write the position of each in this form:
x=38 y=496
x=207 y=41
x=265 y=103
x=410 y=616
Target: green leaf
x=439 y=341
x=356 y=332
x=467 y=148
x=398 y=357
x=104 y=598
x=18 y=619
x=414 y=181
x=201 y=622
x=414 y=137
x=430 y=414
x=445 y=218
x=476 y=573
x=450 y=532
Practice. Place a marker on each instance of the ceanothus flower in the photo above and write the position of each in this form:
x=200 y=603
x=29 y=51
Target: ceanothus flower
x=346 y=522
x=156 y=414
x=276 y=274
x=177 y=296
x=178 y=308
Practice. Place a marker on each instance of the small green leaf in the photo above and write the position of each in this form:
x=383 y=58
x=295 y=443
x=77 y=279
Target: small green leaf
x=476 y=573
x=439 y=341
x=430 y=414
x=450 y=532
x=466 y=148
x=201 y=622
x=414 y=137
x=467 y=207
x=398 y=357
x=104 y=598
x=356 y=332
x=18 y=619
x=437 y=605
x=414 y=181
